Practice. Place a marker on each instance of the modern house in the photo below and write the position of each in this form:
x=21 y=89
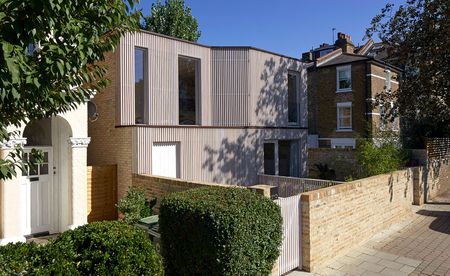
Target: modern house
x=180 y=109
x=342 y=87
x=50 y=197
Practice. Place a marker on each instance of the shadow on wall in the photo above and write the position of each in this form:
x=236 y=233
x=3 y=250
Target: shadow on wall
x=431 y=175
x=239 y=160
x=235 y=162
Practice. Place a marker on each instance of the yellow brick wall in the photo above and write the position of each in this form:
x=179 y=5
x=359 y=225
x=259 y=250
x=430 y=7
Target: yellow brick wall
x=337 y=218
x=342 y=161
x=110 y=145
x=159 y=187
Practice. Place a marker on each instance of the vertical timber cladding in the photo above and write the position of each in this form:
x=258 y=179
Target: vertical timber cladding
x=230 y=86
x=268 y=89
x=162 y=77
x=219 y=155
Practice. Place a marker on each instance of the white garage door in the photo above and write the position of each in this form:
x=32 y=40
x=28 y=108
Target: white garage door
x=165 y=159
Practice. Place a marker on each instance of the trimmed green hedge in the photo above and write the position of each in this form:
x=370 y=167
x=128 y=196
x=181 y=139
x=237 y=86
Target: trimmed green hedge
x=219 y=231
x=99 y=248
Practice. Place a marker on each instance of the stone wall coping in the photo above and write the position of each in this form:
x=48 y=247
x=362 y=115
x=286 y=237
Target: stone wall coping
x=344 y=187
x=330 y=149
x=182 y=182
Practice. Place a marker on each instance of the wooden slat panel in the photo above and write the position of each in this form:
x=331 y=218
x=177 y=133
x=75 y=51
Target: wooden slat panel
x=290 y=255
x=102 y=194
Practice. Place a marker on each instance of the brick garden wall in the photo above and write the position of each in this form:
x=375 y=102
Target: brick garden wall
x=343 y=161
x=337 y=218
x=159 y=187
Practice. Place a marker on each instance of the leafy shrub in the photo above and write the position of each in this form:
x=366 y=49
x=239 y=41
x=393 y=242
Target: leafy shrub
x=379 y=158
x=134 y=205
x=100 y=248
x=30 y=258
x=110 y=248
x=219 y=231
x=325 y=172
x=18 y=258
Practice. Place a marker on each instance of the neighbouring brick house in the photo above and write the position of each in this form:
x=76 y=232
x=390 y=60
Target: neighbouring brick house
x=216 y=114
x=342 y=86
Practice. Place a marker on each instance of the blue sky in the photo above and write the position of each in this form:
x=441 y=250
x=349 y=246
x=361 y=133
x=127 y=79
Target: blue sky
x=288 y=27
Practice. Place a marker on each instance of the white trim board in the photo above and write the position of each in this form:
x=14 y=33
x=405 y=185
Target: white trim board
x=380 y=77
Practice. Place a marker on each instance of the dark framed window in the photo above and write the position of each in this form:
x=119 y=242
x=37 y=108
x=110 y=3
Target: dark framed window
x=293 y=97
x=188 y=91
x=269 y=158
x=140 y=84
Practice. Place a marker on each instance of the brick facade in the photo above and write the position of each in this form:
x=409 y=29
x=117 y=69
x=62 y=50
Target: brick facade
x=110 y=145
x=367 y=83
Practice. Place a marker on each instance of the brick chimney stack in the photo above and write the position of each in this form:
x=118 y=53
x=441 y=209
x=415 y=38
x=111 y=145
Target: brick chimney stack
x=344 y=41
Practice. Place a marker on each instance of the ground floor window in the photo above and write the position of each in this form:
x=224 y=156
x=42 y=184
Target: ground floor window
x=269 y=158
x=282 y=158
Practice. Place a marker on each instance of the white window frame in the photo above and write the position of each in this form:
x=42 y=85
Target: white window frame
x=339 y=69
x=342 y=143
x=338 y=126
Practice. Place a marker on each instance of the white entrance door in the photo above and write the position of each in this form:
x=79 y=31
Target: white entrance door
x=38 y=192
x=165 y=159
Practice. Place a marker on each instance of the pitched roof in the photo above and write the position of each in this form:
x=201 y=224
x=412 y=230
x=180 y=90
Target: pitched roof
x=344 y=58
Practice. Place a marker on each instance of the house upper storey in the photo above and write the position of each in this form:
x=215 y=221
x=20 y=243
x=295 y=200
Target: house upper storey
x=164 y=81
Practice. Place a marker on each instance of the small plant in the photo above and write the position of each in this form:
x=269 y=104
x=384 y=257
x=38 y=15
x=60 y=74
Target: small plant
x=325 y=172
x=135 y=206
x=349 y=178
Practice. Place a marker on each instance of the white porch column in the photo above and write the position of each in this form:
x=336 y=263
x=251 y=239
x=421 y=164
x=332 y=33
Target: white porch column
x=11 y=201
x=78 y=196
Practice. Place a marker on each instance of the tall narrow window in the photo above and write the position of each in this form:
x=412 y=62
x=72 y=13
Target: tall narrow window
x=344 y=78
x=344 y=116
x=293 y=97
x=140 y=84
x=188 y=90
x=269 y=158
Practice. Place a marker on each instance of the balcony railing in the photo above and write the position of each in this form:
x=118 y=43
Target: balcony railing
x=290 y=186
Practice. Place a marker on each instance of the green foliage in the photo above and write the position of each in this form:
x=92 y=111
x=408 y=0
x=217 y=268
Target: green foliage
x=325 y=172
x=69 y=39
x=17 y=259
x=219 y=231
x=111 y=248
x=416 y=35
x=100 y=248
x=134 y=206
x=173 y=19
x=381 y=157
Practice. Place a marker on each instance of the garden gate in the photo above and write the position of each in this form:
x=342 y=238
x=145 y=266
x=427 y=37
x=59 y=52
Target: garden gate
x=291 y=249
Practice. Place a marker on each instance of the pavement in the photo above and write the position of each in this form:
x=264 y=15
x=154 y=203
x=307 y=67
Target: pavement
x=419 y=246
